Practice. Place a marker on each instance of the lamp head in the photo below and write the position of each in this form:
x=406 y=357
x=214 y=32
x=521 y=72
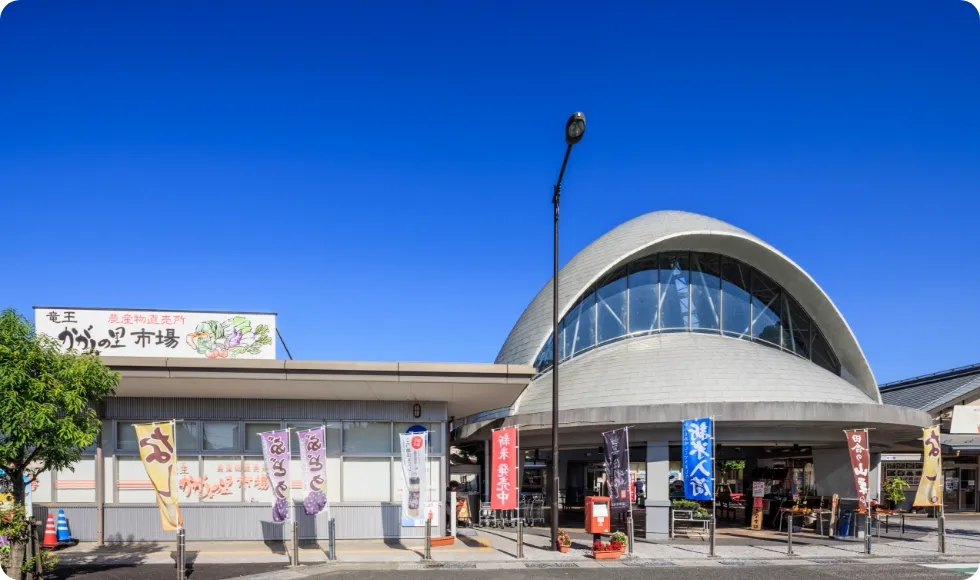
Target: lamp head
x=575 y=128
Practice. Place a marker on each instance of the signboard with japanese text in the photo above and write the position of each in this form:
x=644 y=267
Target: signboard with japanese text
x=930 y=492
x=275 y=451
x=415 y=453
x=857 y=445
x=158 y=452
x=313 y=457
x=160 y=333
x=616 y=453
x=699 y=465
x=503 y=470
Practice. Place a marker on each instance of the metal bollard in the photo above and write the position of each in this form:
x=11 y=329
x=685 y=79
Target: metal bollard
x=942 y=534
x=520 y=540
x=670 y=529
x=629 y=532
x=789 y=535
x=331 y=540
x=295 y=543
x=181 y=554
x=428 y=539
x=867 y=534
x=711 y=537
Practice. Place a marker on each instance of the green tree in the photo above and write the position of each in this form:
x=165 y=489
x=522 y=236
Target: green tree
x=47 y=409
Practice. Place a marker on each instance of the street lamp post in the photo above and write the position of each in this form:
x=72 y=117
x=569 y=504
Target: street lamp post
x=574 y=130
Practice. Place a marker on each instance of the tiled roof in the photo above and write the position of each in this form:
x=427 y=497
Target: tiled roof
x=933 y=392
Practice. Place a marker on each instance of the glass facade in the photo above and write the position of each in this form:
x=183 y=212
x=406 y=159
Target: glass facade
x=692 y=292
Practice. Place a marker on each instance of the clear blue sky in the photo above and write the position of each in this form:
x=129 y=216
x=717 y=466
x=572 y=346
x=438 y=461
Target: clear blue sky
x=380 y=174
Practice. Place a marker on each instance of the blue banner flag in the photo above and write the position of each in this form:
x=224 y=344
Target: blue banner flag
x=699 y=462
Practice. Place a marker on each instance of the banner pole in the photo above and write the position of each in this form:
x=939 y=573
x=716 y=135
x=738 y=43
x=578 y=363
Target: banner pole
x=519 y=464
x=714 y=487
x=631 y=489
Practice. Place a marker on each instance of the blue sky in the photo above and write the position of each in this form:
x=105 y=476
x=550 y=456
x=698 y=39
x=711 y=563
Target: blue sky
x=379 y=174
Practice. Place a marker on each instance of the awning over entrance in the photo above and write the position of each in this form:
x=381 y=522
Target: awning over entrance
x=738 y=422
x=960 y=442
x=466 y=388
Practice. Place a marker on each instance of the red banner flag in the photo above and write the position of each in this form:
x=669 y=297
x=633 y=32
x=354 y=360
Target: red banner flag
x=857 y=445
x=503 y=477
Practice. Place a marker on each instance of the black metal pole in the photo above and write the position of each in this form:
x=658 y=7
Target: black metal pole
x=555 y=200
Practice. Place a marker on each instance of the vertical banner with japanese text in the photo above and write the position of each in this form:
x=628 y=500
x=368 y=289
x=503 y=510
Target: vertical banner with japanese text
x=616 y=452
x=158 y=452
x=857 y=446
x=415 y=452
x=313 y=457
x=275 y=450
x=930 y=492
x=503 y=470
x=697 y=436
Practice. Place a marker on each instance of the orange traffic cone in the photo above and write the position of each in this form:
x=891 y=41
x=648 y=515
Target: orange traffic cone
x=50 y=536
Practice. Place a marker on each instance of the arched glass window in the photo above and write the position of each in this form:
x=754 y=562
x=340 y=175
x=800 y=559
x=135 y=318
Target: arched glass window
x=644 y=295
x=675 y=296
x=689 y=291
x=765 y=309
x=611 y=303
x=736 y=302
x=705 y=292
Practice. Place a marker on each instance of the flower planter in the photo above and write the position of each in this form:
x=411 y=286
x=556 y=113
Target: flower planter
x=443 y=541
x=563 y=549
x=608 y=555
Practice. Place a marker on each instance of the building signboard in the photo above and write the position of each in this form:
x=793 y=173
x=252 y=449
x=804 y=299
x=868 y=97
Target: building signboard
x=966 y=420
x=160 y=333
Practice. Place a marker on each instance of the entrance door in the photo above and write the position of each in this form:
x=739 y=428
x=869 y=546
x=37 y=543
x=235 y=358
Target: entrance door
x=951 y=489
x=968 y=490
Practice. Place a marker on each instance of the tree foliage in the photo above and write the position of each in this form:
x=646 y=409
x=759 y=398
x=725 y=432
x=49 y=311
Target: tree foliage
x=47 y=400
x=47 y=411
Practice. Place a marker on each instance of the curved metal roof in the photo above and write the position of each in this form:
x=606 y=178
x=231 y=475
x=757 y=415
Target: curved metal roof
x=678 y=230
x=686 y=367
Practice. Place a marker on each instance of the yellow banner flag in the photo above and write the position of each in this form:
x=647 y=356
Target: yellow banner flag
x=930 y=491
x=157 y=449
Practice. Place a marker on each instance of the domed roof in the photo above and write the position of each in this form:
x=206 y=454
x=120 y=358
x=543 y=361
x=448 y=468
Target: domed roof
x=678 y=230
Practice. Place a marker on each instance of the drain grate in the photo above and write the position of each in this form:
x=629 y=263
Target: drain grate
x=647 y=563
x=732 y=562
x=832 y=560
x=541 y=565
x=449 y=565
x=917 y=559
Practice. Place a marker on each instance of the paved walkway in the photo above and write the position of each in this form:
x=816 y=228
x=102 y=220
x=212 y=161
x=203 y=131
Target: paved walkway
x=498 y=547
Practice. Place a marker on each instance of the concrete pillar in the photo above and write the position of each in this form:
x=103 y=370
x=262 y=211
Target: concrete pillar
x=751 y=464
x=658 y=490
x=486 y=470
x=875 y=478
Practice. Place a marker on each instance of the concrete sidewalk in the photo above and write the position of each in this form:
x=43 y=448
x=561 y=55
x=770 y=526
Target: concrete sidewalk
x=499 y=547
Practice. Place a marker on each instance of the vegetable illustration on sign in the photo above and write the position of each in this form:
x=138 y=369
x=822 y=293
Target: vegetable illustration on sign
x=230 y=338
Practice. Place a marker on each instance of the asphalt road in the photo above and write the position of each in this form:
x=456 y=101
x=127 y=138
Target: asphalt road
x=747 y=572
x=160 y=572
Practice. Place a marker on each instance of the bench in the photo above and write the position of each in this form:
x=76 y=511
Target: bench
x=685 y=516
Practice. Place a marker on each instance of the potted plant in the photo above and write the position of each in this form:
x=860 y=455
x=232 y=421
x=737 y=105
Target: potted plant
x=894 y=491
x=697 y=511
x=564 y=541
x=619 y=537
x=610 y=551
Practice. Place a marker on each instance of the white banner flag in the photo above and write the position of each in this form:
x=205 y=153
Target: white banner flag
x=415 y=451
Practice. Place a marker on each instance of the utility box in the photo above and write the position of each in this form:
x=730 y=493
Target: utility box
x=597 y=514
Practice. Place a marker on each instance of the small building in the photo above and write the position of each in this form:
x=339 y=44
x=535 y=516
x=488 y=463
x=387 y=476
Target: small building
x=952 y=399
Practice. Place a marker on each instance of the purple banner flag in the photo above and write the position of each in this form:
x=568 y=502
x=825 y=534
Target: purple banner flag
x=275 y=449
x=313 y=456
